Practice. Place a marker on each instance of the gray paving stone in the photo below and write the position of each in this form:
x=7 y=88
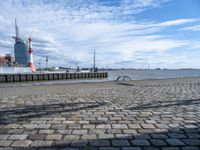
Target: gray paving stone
x=190 y=148
x=192 y=142
x=36 y=136
x=175 y=142
x=43 y=126
x=21 y=143
x=51 y=137
x=4 y=143
x=103 y=126
x=120 y=143
x=4 y=136
x=140 y=143
x=158 y=142
x=18 y=137
x=99 y=143
x=81 y=132
x=39 y=143
x=109 y=148
x=119 y=126
x=71 y=137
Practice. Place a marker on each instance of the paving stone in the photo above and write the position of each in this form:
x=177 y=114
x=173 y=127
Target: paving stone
x=46 y=131
x=175 y=142
x=89 y=137
x=71 y=137
x=5 y=143
x=43 y=126
x=81 y=132
x=51 y=137
x=159 y=136
x=148 y=126
x=119 y=126
x=99 y=143
x=131 y=148
x=36 y=136
x=190 y=148
x=109 y=148
x=79 y=143
x=39 y=143
x=4 y=136
x=134 y=126
x=64 y=131
x=192 y=142
x=18 y=137
x=140 y=143
x=176 y=135
x=120 y=143
x=158 y=142
x=106 y=136
x=103 y=126
x=21 y=143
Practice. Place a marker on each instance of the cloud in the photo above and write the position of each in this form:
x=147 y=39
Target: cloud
x=69 y=30
x=192 y=28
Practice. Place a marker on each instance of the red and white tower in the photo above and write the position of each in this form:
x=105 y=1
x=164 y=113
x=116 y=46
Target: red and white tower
x=30 y=52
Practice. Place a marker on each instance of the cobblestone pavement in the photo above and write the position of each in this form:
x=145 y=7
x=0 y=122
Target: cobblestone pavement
x=128 y=116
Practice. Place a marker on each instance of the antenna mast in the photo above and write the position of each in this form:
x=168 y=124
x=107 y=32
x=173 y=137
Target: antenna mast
x=94 y=61
x=16 y=30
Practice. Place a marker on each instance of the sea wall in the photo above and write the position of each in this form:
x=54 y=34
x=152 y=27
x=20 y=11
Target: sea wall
x=49 y=76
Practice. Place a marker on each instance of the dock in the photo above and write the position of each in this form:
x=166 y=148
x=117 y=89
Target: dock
x=50 y=76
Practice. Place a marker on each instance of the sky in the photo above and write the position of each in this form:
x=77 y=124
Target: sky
x=124 y=33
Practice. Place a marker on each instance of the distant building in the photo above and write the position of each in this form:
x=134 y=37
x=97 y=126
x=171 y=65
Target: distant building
x=21 y=53
x=20 y=49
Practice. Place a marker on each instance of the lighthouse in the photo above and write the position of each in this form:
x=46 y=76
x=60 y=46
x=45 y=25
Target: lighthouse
x=30 y=54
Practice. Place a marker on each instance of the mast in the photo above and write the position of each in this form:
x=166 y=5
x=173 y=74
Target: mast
x=94 y=60
x=16 y=30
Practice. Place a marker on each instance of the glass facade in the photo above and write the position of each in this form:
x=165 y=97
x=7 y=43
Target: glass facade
x=21 y=53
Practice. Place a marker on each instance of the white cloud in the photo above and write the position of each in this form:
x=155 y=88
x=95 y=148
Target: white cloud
x=68 y=31
x=192 y=28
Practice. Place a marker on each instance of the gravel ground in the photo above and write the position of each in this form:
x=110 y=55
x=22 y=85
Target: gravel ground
x=139 y=115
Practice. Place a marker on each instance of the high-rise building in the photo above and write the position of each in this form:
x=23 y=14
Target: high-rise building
x=20 y=49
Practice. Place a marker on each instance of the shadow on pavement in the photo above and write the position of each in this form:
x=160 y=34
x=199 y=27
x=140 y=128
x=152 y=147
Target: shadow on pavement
x=20 y=114
x=165 y=104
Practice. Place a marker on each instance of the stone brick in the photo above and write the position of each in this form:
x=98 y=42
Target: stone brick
x=100 y=143
x=18 y=137
x=140 y=143
x=21 y=143
x=51 y=137
x=4 y=143
x=120 y=143
x=39 y=143
x=175 y=142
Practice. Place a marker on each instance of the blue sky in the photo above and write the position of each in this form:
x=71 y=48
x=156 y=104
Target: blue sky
x=125 y=33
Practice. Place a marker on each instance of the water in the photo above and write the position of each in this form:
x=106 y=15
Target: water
x=153 y=74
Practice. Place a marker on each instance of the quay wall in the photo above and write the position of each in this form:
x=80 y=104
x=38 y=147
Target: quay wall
x=50 y=76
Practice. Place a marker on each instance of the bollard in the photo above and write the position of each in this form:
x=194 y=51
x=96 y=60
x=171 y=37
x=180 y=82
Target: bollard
x=9 y=78
x=60 y=76
x=16 y=78
x=29 y=77
x=40 y=77
x=35 y=78
x=22 y=78
x=45 y=77
x=50 y=76
x=64 y=76
x=2 y=78
x=55 y=76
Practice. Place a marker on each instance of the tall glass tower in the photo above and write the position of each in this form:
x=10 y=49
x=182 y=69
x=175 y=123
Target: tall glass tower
x=20 y=49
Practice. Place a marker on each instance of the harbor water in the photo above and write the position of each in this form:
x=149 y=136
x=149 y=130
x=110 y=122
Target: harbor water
x=153 y=74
